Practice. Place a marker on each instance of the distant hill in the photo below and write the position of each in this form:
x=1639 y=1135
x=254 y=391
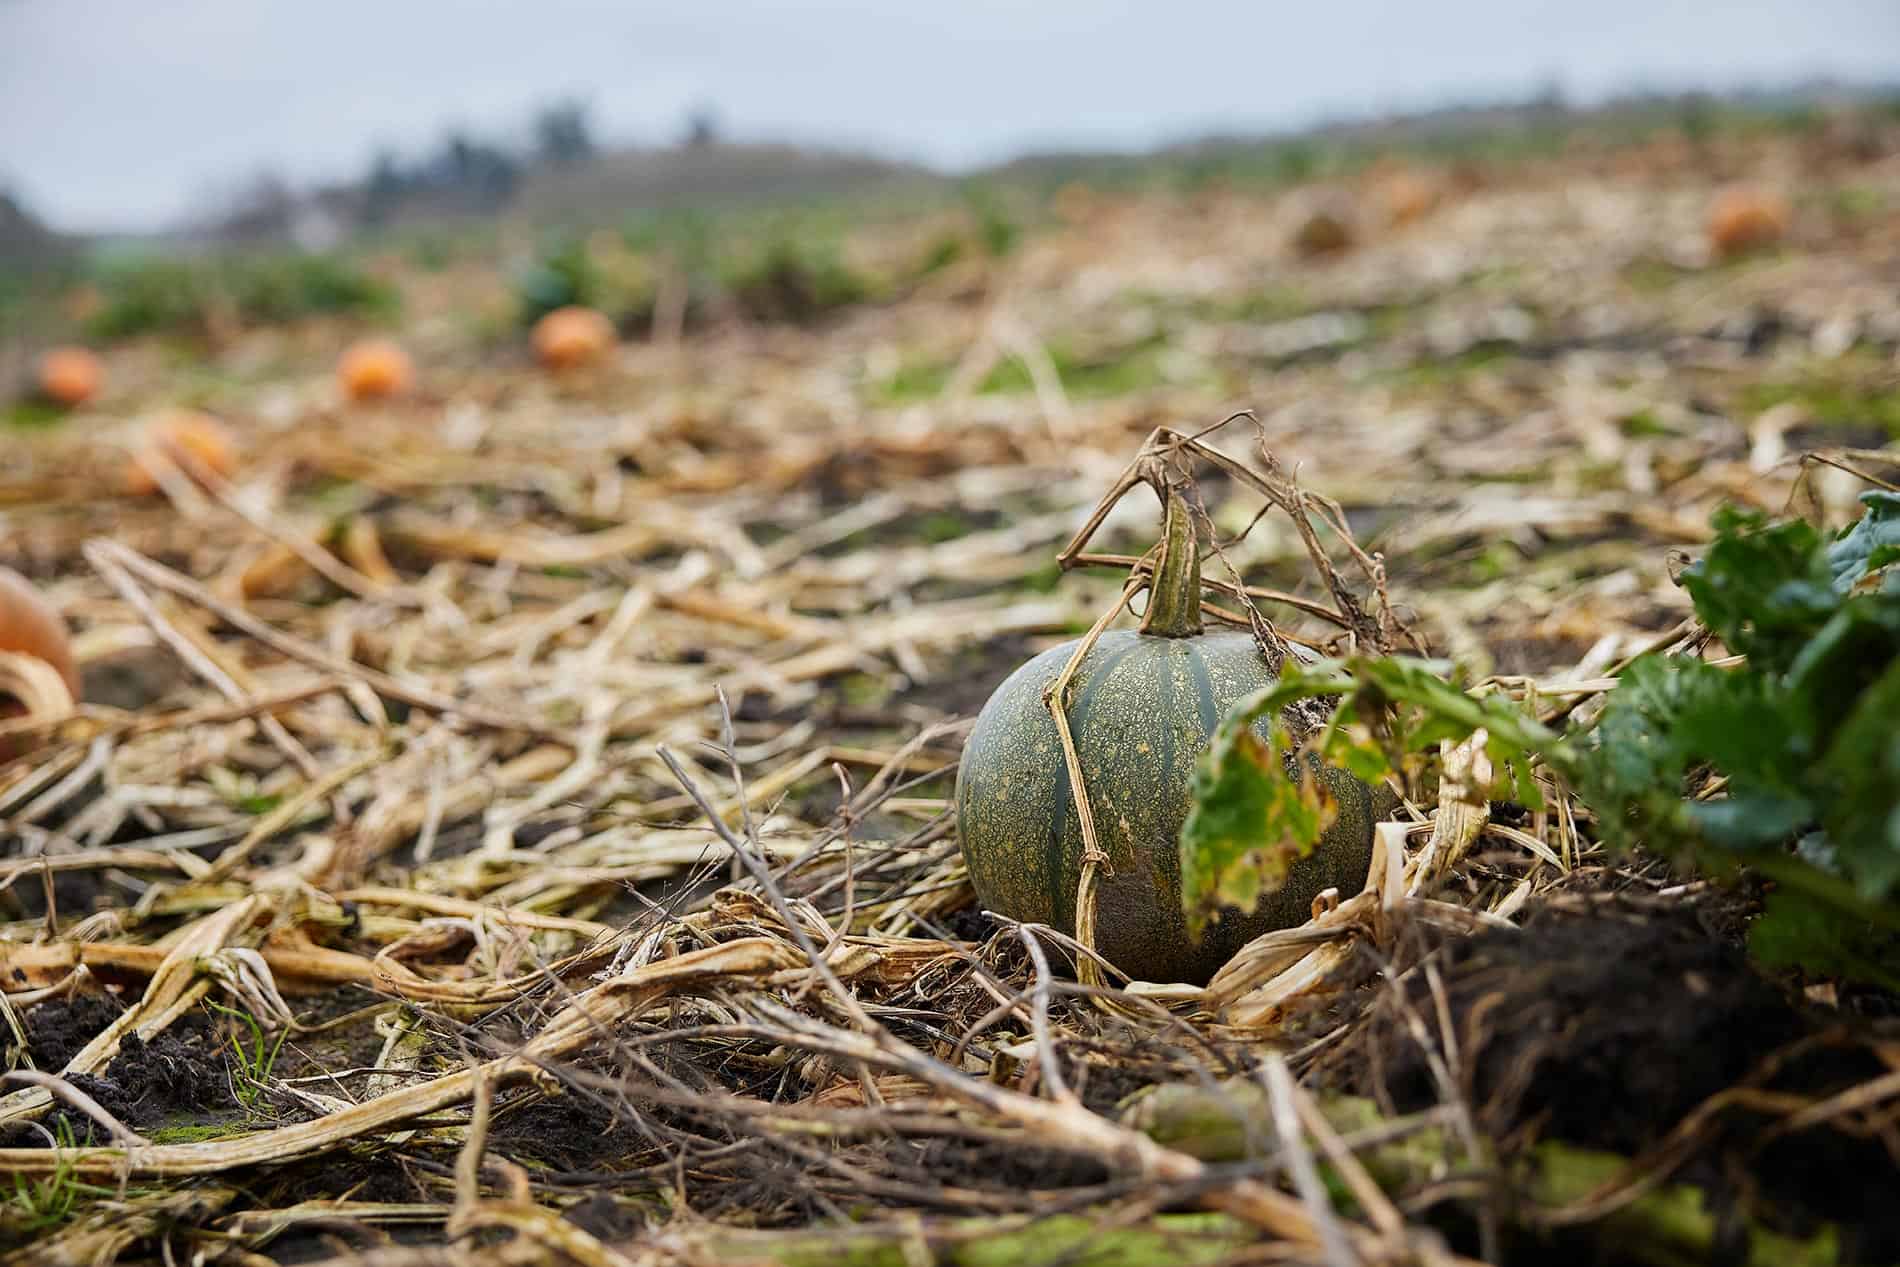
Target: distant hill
x=708 y=175
x=25 y=242
x=1453 y=127
x=604 y=186
x=469 y=178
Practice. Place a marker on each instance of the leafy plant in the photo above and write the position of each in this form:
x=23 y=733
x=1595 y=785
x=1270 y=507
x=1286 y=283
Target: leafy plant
x=561 y=275
x=168 y=296
x=997 y=229
x=943 y=251
x=795 y=280
x=1802 y=732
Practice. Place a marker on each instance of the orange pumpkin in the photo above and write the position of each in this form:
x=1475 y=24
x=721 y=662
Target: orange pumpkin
x=70 y=376
x=1744 y=219
x=30 y=626
x=179 y=434
x=570 y=337
x=375 y=369
x=1407 y=196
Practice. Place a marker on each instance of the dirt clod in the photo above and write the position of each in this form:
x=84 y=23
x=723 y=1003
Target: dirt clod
x=1609 y=1030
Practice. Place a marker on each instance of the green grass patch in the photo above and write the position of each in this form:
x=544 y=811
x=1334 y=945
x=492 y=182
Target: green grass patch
x=914 y=381
x=943 y=525
x=1268 y=304
x=38 y=1204
x=1642 y=424
x=1651 y=276
x=1451 y=369
x=1856 y=202
x=31 y=411
x=794 y=280
x=1043 y=580
x=788 y=267
x=163 y=295
x=1831 y=402
x=864 y=690
x=1096 y=375
x=195 y=1132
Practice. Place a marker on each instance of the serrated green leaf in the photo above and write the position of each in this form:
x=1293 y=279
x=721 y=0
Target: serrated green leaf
x=1763 y=588
x=1807 y=732
x=1250 y=821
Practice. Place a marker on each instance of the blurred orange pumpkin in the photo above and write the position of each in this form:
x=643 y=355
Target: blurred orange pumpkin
x=191 y=433
x=375 y=369
x=70 y=376
x=30 y=626
x=1407 y=196
x=568 y=338
x=1743 y=219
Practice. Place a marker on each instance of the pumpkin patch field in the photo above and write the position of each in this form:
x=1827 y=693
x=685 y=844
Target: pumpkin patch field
x=1123 y=715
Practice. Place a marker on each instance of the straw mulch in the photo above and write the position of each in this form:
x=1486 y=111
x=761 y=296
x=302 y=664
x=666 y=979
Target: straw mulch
x=512 y=824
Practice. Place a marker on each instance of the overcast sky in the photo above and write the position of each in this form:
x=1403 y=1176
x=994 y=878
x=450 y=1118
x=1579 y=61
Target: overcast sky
x=126 y=113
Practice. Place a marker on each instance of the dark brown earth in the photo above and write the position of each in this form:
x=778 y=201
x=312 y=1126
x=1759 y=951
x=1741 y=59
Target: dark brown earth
x=1607 y=1025
x=181 y=1077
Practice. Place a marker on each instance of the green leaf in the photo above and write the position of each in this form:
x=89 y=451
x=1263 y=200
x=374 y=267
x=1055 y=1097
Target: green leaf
x=1365 y=763
x=1250 y=822
x=1751 y=821
x=1524 y=788
x=1799 y=930
x=1869 y=544
x=1763 y=588
x=1251 y=818
x=1805 y=733
x=1845 y=656
x=1860 y=780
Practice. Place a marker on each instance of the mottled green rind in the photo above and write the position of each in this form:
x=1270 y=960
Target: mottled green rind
x=1141 y=709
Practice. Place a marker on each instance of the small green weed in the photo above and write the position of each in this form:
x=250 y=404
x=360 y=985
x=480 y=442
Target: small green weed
x=41 y=1204
x=252 y=1064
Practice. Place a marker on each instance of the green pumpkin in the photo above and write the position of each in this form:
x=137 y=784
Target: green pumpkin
x=1142 y=708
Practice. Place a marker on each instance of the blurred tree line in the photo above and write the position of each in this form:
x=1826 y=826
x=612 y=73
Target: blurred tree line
x=470 y=173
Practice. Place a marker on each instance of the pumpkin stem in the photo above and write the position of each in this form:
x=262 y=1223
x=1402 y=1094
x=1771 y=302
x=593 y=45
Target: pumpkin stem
x=1174 y=595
